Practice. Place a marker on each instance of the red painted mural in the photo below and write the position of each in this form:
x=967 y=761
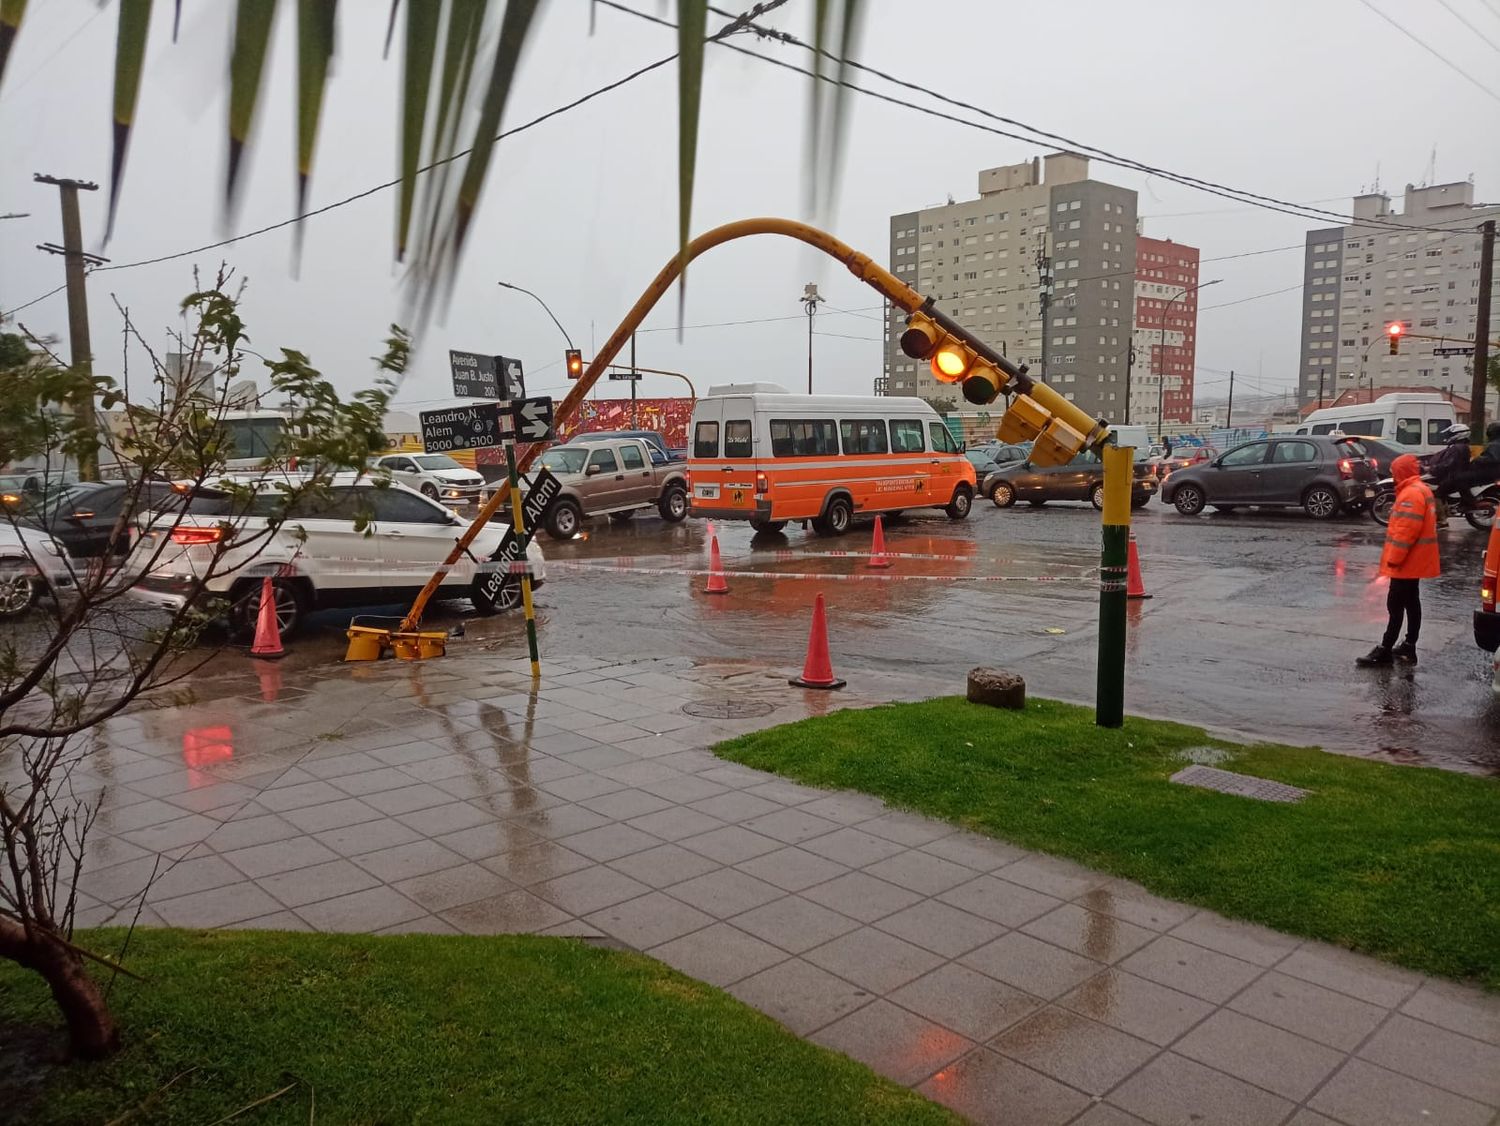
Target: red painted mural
x=668 y=417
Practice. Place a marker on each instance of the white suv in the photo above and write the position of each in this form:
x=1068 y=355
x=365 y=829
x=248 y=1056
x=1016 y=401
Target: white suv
x=436 y=476
x=316 y=558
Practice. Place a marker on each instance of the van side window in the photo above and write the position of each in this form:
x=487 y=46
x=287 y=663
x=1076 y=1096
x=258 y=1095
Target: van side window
x=804 y=437
x=863 y=435
x=906 y=436
x=1409 y=431
x=1435 y=428
x=706 y=439
x=1325 y=428
x=1366 y=428
x=737 y=439
x=942 y=439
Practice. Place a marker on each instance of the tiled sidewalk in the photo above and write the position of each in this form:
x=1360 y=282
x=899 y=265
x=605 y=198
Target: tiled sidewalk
x=1014 y=987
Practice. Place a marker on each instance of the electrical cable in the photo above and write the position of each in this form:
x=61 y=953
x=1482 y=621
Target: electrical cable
x=1433 y=51
x=1463 y=19
x=7 y=313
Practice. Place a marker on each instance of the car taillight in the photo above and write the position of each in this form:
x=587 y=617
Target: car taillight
x=762 y=485
x=188 y=536
x=1346 y=467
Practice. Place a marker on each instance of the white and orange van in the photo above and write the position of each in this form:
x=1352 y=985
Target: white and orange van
x=759 y=453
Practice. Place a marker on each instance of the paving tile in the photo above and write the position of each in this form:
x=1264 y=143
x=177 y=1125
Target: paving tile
x=480 y=842
x=438 y=820
x=799 y=995
x=675 y=823
x=331 y=815
x=401 y=754
x=1192 y=969
x=438 y=891
x=247 y=831
x=372 y=781
x=785 y=793
x=1458 y=1008
x=639 y=772
x=1310 y=1010
x=940 y=928
x=730 y=845
x=1434 y=1055
x=980 y=853
x=443 y=767
x=684 y=788
x=585 y=784
x=966 y=1001
x=589 y=889
x=1060 y=878
x=1279 y=1061
x=736 y=806
x=534 y=863
x=664 y=865
x=1134 y=904
x=1171 y=1090
x=355 y=762
x=279 y=856
x=921 y=872
x=365 y=911
x=898 y=1044
x=1246 y=941
x=789 y=825
x=423 y=924
x=846 y=808
x=877 y=961
x=219 y=907
x=1033 y=965
x=1000 y=900
x=853 y=847
x=596 y=757
x=609 y=842
x=404 y=861
x=514 y=912
x=910 y=829
x=172 y=834
x=991 y=1090
x=368 y=836
x=862 y=897
x=649 y=920
x=282 y=798
x=1362 y=1094
x=321 y=881
x=1358 y=976
x=792 y=869
x=558 y=821
x=719 y=954
x=1132 y=1004
x=627 y=803
x=276 y=921
x=725 y=892
x=409 y=799
x=1102 y=1114
x=1308 y=1118
x=189 y=875
x=1082 y=1053
x=794 y=924
x=1101 y=937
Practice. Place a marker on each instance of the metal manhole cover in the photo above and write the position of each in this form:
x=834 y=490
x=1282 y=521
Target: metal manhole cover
x=1241 y=785
x=727 y=709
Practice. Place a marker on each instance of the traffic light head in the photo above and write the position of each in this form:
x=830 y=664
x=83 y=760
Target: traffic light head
x=925 y=339
x=573 y=358
x=1393 y=333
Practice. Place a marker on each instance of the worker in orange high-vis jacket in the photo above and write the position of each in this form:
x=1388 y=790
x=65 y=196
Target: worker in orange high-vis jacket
x=1410 y=555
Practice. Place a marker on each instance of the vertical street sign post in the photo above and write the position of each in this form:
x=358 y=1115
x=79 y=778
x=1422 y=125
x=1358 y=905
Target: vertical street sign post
x=1114 y=567
x=518 y=522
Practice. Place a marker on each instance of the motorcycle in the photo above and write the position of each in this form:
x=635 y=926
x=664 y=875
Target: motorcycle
x=1480 y=512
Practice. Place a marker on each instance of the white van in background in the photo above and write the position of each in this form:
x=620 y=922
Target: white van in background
x=1415 y=421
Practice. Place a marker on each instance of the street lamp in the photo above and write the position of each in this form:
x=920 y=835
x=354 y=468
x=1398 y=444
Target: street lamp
x=810 y=301
x=1161 y=348
x=543 y=304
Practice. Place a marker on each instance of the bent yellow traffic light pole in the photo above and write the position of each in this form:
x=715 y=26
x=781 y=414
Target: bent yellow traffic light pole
x=860 y=265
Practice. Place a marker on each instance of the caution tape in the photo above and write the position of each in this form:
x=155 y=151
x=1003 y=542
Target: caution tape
x=615 y=569
x=781 y=556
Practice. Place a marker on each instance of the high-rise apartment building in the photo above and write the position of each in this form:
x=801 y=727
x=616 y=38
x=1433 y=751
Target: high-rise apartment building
x=984 y=261
x=1166 y=332
x=1359 y=278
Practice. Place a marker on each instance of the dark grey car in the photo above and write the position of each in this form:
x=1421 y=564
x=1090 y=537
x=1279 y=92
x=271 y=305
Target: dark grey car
x=1323 y=475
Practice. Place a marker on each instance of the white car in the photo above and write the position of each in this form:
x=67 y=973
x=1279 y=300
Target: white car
x=30 y=562
x=436 y=476
x=316 y=558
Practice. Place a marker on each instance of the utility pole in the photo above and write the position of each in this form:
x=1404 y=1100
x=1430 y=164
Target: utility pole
x=1129 y=367
x=80 y=350
x=1321 y=372
x=1044 y=289
x=1482 y=332
x=1229 y=412
x=810 y=300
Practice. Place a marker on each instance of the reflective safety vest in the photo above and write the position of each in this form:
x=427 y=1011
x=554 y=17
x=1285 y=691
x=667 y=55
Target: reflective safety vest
x=1411 y=547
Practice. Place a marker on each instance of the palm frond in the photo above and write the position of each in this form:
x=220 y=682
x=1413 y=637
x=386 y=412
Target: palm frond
x=252 y=38
x=825 y=153
x=315 y=24
x=130 y=59
x=11 y=14
x=421 y=40
x=466 y=20
x=692 y=25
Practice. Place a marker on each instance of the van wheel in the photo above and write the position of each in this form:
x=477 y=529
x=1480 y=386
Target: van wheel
x=244 y=608
x=673 y=505
x=766 y=527
x=963 y=500
x=563 y=520
x=836 y=518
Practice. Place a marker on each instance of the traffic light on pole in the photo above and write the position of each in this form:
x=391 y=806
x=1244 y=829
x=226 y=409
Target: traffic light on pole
x=1393 y=333
x=573 y=358
x=952 y=359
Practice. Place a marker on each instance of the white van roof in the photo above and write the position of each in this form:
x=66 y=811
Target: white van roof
x=773 y=396
x=747 y=389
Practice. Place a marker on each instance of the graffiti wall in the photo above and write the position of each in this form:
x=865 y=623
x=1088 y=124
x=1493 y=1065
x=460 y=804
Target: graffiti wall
x=668 y=417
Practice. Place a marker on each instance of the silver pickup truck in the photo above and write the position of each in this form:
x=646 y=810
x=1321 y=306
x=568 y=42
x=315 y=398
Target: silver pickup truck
x=614 y=479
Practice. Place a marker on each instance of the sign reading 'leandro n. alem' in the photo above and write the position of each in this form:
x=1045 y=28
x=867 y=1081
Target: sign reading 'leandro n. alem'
x=473 y=427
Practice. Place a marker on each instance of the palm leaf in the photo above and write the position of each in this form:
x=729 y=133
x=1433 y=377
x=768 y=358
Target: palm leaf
x=692 y=24
x=421 y=39
x=252 y=37
x=824 y=159
x=315 y=24
x=465 y=24
x=130 y=58
x=11 y=14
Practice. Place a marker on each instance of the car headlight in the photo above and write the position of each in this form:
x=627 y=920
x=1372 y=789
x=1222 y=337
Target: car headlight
x=52 y=547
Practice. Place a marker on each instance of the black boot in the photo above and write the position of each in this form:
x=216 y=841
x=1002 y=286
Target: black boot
x=1405 y=653
x=1378 y=657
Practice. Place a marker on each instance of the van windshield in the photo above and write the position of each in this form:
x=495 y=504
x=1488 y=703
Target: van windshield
x=252 y=437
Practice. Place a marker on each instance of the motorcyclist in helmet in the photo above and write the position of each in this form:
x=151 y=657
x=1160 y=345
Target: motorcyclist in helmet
x=1447 y=465
x=1484 y=469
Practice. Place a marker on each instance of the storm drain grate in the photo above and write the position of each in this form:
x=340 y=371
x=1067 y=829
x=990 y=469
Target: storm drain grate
x=1241 y=785
x=727 y=709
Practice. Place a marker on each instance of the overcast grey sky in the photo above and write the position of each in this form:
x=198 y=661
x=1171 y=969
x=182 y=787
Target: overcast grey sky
x=1289 y=99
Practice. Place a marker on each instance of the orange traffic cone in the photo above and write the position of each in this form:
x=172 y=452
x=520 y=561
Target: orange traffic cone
x=1134 y=587
x=709 y=535
x=877 y=547
x=267 y=633
x=716 y=583
x=817 y=669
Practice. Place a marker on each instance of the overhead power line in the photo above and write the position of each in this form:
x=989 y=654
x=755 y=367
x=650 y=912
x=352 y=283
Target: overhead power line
x=1433 y=51
x=4 y=313
x=1463 y=19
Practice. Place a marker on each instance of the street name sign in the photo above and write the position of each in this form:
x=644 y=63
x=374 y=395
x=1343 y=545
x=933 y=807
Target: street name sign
x=474 y=427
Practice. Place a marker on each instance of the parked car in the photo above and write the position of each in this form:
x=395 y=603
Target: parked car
x=1183 y=457
x=1004 y=453
x=31 y=562
x=317 y=558
x=612 y=477
x=83 y=517
x=1321 y=474
x=986 y=469
x=1381 y=454
x=1079 y=479
x=661 y=453
x=436 y=476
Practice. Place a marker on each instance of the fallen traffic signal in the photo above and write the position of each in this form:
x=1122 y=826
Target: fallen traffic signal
x=952 y=357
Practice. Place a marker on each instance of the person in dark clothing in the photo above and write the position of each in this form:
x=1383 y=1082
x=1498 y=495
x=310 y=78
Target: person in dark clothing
x=1484 y=469
x=1447 y=464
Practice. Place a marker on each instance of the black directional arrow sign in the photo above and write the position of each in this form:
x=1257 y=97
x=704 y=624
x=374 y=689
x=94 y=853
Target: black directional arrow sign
x=532 y=419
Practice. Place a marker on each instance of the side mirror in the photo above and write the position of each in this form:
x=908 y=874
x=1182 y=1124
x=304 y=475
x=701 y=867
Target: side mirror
x=593 y=470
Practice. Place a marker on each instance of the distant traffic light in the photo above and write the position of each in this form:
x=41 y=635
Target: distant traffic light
x=1393 y=331
x=573 y=358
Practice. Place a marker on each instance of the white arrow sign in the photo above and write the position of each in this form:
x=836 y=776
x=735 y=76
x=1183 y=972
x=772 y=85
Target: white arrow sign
x=533 y=419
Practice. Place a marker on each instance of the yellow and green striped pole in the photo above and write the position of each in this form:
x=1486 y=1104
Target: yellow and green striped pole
x=1109 y=697
x=518 y=522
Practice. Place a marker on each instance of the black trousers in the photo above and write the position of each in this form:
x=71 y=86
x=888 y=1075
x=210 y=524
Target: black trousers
x=1403 y=600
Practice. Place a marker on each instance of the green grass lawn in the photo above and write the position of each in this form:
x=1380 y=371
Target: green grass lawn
x=427 y=1029
x=1399 y=862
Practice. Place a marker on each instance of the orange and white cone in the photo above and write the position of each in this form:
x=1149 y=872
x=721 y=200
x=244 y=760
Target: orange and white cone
x=1134 y=586
x=817 y=668
x=716 y=583
x=877 y=547
x=267 y=631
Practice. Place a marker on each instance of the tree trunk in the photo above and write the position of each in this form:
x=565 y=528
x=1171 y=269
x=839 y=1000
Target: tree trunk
x=92 y=1032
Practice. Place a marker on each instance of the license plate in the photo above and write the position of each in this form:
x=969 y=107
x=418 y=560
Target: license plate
x=1369 y=493
x=707 y=492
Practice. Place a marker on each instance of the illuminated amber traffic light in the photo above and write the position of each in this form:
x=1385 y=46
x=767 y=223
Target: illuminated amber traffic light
x=1393 y=331
x=573 y=357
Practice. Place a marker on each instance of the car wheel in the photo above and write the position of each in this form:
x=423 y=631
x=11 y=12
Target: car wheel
x=1096 y=496
x=508 y=599
x=836 y=518
x=564 y=519
x=429 y=490
x=1003 y=495
x=1321 y=502
x=673 y=505
x=963 y=500
x=767 y=527
x=1189 y=499
x=18 y=592
x=244 y=608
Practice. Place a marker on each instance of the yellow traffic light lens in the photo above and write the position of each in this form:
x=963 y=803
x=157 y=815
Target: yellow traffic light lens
x=949 y=362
